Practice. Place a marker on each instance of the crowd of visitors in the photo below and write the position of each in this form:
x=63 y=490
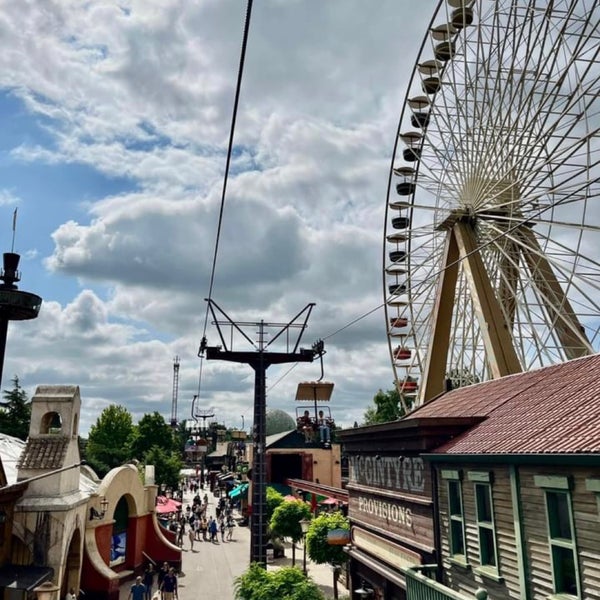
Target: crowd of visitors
x=195 y=524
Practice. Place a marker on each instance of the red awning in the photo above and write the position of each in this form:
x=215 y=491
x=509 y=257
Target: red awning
x=330 y=501
x=166 y=505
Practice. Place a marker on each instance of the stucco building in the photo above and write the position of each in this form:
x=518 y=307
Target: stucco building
x=62 y=523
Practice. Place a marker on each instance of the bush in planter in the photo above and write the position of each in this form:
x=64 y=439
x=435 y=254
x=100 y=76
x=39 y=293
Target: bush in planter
x=287 y=583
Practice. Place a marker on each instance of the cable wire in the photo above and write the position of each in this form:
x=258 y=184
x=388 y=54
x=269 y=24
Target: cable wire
x=226 y=174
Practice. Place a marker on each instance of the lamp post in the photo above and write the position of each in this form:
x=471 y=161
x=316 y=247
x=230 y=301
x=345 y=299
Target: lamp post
x=363 y=591
x=304 y=525
x=46 y=591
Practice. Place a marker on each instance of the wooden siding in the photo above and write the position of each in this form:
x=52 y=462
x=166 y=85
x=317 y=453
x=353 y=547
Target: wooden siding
x=467 y=579
x=587 y=531
x=535 y=534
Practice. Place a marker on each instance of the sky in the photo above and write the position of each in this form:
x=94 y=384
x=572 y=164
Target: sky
x=114 y=125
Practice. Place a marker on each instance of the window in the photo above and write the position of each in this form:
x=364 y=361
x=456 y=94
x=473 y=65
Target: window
x=455 y=513
x=485 y=525
x=562 y=542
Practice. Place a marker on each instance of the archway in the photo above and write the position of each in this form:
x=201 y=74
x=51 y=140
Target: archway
x=73 y=564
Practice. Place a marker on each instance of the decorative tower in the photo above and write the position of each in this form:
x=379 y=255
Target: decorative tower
x=15 y=305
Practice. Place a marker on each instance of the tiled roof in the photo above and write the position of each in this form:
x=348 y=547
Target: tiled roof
x=550 y=410
x=44 y=453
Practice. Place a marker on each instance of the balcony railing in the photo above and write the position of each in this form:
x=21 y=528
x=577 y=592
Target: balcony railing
x=421 y=587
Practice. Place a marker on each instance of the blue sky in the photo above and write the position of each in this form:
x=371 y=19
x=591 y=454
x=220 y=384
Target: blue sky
x=115 y=119
x=114 y=123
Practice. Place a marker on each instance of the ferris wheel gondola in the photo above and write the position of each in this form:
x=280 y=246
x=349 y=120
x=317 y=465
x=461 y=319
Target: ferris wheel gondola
x=491 y=232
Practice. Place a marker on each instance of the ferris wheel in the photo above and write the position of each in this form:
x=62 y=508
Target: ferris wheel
x=492 y=227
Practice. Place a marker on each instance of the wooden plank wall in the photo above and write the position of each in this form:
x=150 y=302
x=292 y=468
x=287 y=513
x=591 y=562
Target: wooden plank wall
x=587 y=531
x=535 y=534
x=466 y=580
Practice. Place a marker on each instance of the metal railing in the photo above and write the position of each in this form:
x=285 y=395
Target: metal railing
x=421 y=587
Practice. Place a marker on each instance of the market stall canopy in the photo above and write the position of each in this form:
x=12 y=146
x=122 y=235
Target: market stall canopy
x=166 y=505
x=330 y=501
x=240 y=491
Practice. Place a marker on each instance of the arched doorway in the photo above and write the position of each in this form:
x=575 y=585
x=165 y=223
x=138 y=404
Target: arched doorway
x=118 y=545
x=73 y=564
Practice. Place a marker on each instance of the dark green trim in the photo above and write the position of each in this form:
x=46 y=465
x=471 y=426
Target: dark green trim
x=583 y=460
x=553 y=482
x=592 y=485
x=522 y=563
x=453 y=475
x=489 y=573
x=480 y=476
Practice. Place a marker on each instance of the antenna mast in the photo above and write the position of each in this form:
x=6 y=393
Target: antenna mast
x=175 y=392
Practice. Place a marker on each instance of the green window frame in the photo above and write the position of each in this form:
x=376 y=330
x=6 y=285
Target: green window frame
x=562 y=542
x=456 y=521
x=486 y=529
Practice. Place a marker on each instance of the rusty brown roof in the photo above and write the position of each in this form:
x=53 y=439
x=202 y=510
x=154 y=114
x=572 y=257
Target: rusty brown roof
x=46 y=452
x=550 y=410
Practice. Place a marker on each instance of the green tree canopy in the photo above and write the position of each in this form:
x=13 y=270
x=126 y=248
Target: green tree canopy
x=285 y=522
x=151 y=431
x=317 y=547
x=286 y=518
x=15 y=414
x=109 y=439
x=287 y=583
x=274 y=499
x=167 y=466
x=386 y=407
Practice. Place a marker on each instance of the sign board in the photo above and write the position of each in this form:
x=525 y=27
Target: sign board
x=400 y=517
x=338 y=537
x=389 y=552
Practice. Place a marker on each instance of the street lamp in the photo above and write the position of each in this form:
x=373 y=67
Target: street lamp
x=364 y=591
x=46 y=591
x=304 y=525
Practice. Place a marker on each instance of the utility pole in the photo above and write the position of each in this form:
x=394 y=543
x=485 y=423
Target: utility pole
x=260 y=360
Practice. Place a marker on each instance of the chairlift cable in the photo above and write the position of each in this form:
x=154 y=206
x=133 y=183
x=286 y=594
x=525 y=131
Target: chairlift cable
x=226 y=174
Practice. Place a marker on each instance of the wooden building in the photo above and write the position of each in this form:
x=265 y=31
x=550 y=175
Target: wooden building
x=390 y=494
x=514 y=492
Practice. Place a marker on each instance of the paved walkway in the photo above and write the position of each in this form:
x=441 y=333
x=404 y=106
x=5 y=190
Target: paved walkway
x=210 y=569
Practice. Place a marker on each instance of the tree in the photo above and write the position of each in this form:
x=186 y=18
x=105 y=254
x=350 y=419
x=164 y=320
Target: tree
x=15 y=414
x=287 y=583
x=319 y=550
x=167 y=466
x=285 y=522
x=274 y=499
x=109 y=439
x=387 y=407
x=151 y=431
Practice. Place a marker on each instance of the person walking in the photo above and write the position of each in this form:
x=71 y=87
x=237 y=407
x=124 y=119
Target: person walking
x=212 y=529
x=148 y=581
x=230 y=526
x=191 y=536
x=137 y=591
x=222 y=528
x=169 y=585
x=164 y=570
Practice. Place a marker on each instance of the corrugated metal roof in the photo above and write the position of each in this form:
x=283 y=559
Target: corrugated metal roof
x=550 y=410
